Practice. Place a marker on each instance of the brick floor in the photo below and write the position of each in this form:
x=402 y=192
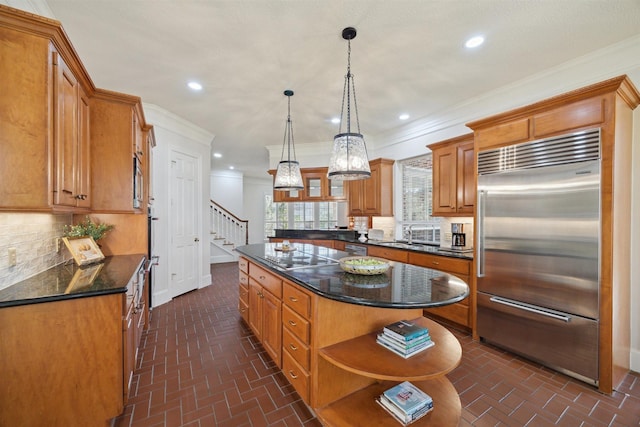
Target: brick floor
x=200 y=365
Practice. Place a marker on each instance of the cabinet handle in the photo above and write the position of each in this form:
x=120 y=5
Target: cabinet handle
x=293 y=299
x=262 y=277
x=436 y=263
x=292 y=375
x=292 y=323
x=261 y=295
x=293 y=347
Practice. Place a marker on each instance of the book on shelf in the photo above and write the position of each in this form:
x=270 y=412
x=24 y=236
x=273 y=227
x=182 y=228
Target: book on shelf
x=404 y=343
x=401 y=351
x=405 y=402
x=405 y=330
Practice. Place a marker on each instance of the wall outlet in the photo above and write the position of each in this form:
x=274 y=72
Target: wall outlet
x=13 y=257
x=447 y=236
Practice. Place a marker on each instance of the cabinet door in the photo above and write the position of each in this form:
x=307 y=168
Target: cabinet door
x=356 y=198
x=371 y=192
x=83 y=177
x=65 y=133
x=315 y=185
x=255 y=308
x=129 y=355
x=465 y=180
x=272 y=326
x=444 y=181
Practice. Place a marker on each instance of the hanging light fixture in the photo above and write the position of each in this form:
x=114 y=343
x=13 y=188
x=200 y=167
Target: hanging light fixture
x=349 y=160
x=288 y=176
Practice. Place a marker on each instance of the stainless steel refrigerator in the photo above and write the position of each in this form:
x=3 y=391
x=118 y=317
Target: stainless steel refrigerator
x=539 y=249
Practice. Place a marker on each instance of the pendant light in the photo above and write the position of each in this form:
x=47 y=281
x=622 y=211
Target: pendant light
x=349 y=160
x=288 y=176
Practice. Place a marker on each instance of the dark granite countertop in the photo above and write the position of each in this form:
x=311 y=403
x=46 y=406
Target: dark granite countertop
x=66 y=281
x=351 y=236
x=402 y=286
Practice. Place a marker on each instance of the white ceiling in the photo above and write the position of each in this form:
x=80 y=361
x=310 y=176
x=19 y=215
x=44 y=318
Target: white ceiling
x=408 y=57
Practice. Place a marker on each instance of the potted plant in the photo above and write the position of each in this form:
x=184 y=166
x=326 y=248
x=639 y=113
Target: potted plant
x=87 y=228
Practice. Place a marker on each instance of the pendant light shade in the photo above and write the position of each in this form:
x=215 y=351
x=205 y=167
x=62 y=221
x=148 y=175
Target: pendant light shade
x=288 y=176
x=349 y=159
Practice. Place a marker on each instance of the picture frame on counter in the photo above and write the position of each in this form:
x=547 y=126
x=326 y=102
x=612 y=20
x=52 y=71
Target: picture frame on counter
x=84 y=250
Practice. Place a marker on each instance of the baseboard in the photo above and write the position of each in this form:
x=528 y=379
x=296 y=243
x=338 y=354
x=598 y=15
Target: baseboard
x=635 y=360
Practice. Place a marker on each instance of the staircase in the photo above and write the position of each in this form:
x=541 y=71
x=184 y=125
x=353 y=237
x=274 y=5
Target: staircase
x=227 y=232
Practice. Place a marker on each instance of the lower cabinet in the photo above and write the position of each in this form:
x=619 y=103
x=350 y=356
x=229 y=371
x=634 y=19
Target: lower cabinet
x=264 y=308
x=134 y=316
x=459 y=313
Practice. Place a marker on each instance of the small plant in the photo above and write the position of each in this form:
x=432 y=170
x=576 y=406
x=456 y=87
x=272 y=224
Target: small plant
x=87 y=228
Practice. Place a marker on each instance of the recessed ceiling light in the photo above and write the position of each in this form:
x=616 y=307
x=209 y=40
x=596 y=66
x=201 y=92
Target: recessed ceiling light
x=474 y=42
x=194 y=85
x=404 y=116
x=335 y=120
x=217 y=155
x=231 y=167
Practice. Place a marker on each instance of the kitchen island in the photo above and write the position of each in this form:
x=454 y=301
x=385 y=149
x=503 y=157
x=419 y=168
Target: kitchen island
x=319 y=325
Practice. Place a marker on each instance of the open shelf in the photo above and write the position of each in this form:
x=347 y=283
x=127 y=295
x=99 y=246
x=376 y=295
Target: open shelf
x=361 y=409
x=364 y=356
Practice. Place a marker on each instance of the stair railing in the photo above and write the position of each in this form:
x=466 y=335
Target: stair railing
x=226 y=226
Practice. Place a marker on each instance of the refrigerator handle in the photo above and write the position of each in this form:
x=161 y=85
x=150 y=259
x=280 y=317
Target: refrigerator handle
x=530 y=308
x=480 y=230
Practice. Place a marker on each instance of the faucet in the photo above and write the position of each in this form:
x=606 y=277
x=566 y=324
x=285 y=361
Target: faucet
x=410 y=232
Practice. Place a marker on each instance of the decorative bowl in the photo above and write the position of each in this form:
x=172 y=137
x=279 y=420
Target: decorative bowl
x=365 y=265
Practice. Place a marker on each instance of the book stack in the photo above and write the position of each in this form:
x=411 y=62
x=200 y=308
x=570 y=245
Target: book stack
x=405 y=338
x=405 y=402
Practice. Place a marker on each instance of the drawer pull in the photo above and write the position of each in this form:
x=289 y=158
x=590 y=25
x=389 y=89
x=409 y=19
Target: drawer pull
x=293 y=299
x=292 y=323
x=262 y=277
x=436 y=263
x=293 y=347
x=260 y=294
x=293 y=375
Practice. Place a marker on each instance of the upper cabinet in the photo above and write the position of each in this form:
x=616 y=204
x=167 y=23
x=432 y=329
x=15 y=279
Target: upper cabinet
x=44 y=118
x=119 y=153
x=373 y=196
x=317 y=188
x=454 y=191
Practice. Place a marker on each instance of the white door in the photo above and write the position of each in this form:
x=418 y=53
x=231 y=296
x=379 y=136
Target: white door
x=184 y=258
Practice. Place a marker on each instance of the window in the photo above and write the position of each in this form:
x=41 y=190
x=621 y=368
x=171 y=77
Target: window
x=417 y=200
x=298 y=215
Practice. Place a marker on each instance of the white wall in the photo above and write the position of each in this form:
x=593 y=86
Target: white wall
x=176 y=134
x=227 y=190
x=253 y=200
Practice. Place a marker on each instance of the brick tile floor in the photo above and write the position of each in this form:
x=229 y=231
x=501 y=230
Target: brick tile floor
x=199 y=365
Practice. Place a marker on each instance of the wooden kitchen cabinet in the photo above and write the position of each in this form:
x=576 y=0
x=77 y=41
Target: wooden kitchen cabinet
x=373 y=196
x=317 y=188
x=265 y=314
x=454 y=189
x=388 y=253
x=461 y=312
x=43 y=117
x=119 y=155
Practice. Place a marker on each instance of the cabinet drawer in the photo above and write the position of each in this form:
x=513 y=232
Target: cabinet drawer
x=269 y=281
x=243 y=265
x=458 y=313
x=243 y=308
x=503 y=134
x=391 y=254
x=297 y=376
x=296 y=324
x=244 y=294
x=448 y=265
x=244 y=279
x=298 y=300
x=296 y=348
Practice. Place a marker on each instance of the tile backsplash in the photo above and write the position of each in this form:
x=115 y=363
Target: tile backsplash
x=33 y=235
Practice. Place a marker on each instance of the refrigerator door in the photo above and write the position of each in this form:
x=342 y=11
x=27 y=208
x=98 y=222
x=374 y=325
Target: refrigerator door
x=538 y=236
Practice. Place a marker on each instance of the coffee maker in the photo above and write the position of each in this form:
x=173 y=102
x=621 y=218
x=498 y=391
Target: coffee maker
x=458 y=236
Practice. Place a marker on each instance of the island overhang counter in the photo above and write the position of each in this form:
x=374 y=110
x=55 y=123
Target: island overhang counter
x=319 y=325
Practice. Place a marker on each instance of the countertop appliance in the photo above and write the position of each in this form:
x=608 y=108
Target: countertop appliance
x=538 y=251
